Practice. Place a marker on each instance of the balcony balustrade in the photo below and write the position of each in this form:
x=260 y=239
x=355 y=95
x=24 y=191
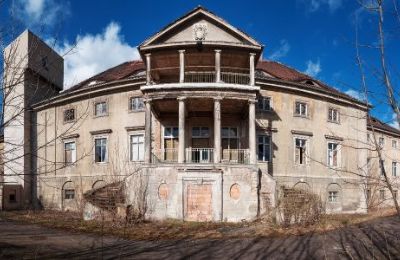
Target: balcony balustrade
x=201 y=155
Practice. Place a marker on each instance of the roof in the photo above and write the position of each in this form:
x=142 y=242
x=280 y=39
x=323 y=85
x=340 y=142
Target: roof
x=379 y=125
x=118 y=72
x=199 y=10
x=273 y=68
x=286 y=73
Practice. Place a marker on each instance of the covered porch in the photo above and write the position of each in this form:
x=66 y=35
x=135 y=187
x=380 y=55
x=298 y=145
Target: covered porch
x=201 y=130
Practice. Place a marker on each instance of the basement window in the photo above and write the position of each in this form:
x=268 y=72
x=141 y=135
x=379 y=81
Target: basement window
x=333 y=196
x=69 y=194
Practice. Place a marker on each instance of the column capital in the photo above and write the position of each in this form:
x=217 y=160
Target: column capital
x=252 y=100
x=147 y=55
x=218 y=98
x=253 y=54
x=181 y=98
x=181 y=51
x=217 y=51
x=147 y=100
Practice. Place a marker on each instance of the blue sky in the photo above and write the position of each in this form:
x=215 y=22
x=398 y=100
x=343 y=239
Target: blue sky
x=313 y=36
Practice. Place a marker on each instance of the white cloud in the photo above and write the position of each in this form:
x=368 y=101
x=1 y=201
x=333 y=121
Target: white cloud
x=355 y=94
x=313 y=68
x=91 y=54
x=394 y=123
x=280 y=52
x=41 y=12
x=315 y=5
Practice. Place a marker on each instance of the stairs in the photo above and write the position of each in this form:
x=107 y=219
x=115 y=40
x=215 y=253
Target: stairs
x=107 y=197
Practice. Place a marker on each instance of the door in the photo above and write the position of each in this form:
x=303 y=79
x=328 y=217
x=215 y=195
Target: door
x=198 y=206
x=201 y=151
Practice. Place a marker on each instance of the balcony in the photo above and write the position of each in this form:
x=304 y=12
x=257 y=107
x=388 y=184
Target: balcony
x=201 y=155
x=207 y=66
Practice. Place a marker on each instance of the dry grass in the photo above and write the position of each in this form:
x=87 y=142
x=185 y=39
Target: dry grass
x=175 y=229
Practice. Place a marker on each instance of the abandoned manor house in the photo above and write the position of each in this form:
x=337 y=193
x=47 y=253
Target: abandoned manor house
x=202 y=128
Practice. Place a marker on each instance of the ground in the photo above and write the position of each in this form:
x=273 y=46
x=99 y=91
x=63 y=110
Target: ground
x=374 y=239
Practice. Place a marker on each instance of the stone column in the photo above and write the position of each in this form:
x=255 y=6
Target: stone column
x=217 y=130
x=252 y=69
x=181 y=144
x=181 y=66
x=147 y=135
x=217 y=66
x=252 y=131
x=148 y=68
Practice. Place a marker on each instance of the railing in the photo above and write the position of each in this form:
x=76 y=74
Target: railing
x=235 y=78
x=200 y=76
x=239 y=156
x=165 y=155
x=199 y=155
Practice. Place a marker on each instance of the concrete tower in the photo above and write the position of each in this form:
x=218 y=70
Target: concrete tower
x=33 y=72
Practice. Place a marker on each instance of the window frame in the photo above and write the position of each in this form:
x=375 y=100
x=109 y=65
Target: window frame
x=201 y=129
x=94 y=147
x=69 y=195
x=330 y=111
x=262 y=107
x=64 y=115
x=338 y=154
x=138 y=109
x=394 y=144
x=306 y=115
x=264 y=159
x=95 y=108
x=381 y=145
x=138 y=143
x=307 y=148
x=394 y=168
x=333 y=199
x=65 y=142
x=382 y=195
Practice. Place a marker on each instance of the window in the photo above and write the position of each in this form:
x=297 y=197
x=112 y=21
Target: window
x=333 y=196
x=69 y=115
x=100 y=149
x=229 y=138
x=69 y=194
x=382 y=194
x=333 y=150
x=381 y=141
x=301 y=109
x=136 y=104
x=368 y=137
x=333 y=115
x=394 y=144
x=69 y=153
x=394 y=169
x=264 y=104
x=137 y=147
x=300 y=150
x=395 y=194
x=100 y=109
x=171 y=141
x=264 y=148
x=382 y=162
x=12 y=196
x=200 y=132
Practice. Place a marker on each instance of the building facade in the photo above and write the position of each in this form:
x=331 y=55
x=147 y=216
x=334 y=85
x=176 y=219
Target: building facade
x=200 y=129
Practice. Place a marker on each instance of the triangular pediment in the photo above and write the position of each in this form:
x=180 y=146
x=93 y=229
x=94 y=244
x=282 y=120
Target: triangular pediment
x=200 y=25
